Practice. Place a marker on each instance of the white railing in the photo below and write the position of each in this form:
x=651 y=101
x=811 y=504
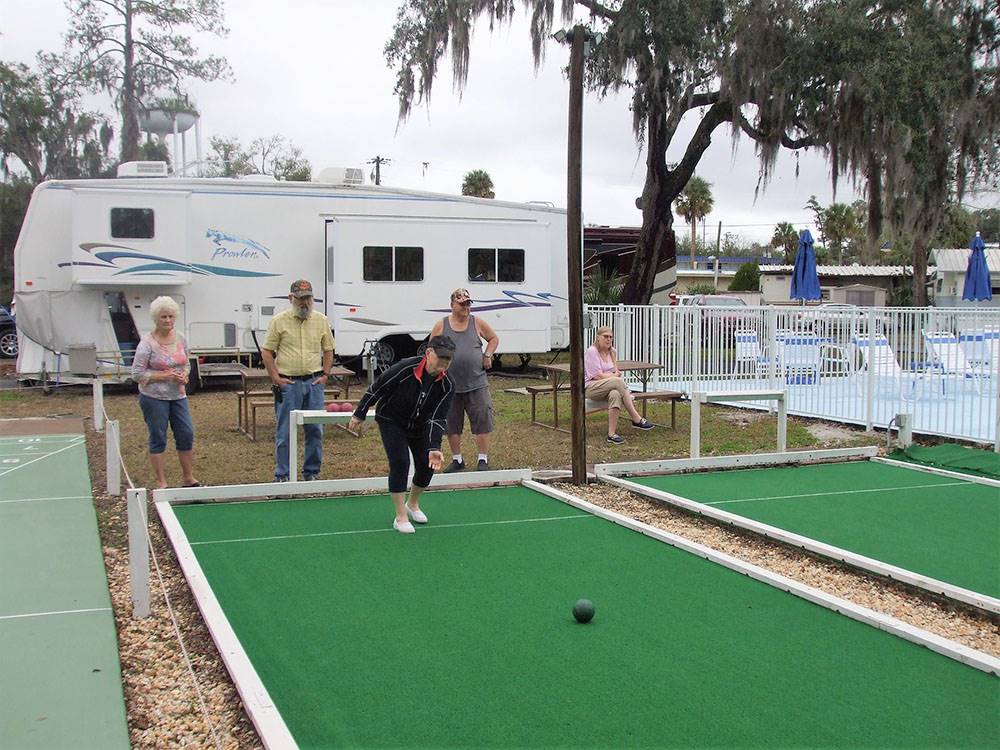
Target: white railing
x=861 y=366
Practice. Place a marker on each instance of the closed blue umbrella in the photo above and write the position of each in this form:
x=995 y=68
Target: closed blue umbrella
x=805 y=281
x=977 y=274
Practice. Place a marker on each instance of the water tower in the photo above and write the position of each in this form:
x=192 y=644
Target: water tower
x=174 y=116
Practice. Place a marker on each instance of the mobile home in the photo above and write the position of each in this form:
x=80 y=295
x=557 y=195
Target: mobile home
x=93 y=254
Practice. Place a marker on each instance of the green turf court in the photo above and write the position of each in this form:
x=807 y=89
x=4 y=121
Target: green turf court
x=462 y=635
x=942 y=527
x=60 y=680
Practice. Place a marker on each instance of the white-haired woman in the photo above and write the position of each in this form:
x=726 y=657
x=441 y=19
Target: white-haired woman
x=161 y=369
x=603 y=381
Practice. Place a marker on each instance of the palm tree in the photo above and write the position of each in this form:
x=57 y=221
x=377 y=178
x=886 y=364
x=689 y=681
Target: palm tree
x=478 y=184
x=786 y=238
x=841 y=227
x=603 y=287
x=694 y=204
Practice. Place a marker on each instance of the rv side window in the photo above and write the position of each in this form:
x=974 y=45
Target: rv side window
x=482 y=264
x=382 y=263
x=377 y=263
x=409 y=264
x=510 y=264
x=132 y=223
x=505 y=264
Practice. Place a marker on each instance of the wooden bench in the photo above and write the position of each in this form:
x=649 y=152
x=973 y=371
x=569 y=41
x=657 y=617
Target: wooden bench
x=265 y=399
x=595 y=407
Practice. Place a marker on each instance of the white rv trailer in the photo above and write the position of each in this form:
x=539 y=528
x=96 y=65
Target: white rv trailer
x=93 y=254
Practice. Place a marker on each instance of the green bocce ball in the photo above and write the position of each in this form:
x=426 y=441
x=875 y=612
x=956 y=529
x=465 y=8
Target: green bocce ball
x=583 y=610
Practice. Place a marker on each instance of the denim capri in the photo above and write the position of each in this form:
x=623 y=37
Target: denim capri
x=158 y=413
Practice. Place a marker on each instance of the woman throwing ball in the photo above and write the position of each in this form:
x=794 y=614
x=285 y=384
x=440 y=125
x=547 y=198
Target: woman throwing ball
x=412 y=399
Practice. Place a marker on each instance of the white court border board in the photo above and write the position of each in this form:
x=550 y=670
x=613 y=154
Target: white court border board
x=614 y=473
x=266 y=717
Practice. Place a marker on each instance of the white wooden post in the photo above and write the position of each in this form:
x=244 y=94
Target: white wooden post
x=138 y=552
x=111 y=457
x=98 y=405
x=696 y=398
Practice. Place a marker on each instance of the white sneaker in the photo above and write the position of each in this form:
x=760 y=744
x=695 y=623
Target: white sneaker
x=417 y=516
x=403 y=527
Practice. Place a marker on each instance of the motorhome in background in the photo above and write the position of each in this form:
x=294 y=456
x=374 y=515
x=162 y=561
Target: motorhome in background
x=93 y=254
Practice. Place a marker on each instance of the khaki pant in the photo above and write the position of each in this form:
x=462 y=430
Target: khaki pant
x=612 y=390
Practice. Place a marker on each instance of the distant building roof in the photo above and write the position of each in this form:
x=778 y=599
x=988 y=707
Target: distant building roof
x=852 y=270
x=956 y=260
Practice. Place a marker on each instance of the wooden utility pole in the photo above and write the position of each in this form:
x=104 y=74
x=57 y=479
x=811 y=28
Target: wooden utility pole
x=574 y=252
x=378 y=161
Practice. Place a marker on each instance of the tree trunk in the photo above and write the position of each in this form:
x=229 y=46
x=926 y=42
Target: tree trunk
x=656 y=238
x=921 y=247
x=130 y=104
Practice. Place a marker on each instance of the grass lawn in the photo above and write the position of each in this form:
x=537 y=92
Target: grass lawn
x=224 y=455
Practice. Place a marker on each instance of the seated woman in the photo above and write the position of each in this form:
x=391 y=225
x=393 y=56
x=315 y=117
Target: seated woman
x=603 y=381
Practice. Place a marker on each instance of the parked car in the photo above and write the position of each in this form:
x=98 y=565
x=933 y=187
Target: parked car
x=8 y=334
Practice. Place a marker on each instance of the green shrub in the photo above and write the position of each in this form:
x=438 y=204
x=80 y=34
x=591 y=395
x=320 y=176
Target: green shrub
x=747 y=279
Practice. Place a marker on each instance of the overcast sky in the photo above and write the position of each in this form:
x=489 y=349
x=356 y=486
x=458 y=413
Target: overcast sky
x=313 y=71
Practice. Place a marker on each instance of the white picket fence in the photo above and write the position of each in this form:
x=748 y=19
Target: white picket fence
x=860 y=366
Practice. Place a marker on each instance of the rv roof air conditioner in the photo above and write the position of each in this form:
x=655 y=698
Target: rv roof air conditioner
x=143 y=169
x=341 y=176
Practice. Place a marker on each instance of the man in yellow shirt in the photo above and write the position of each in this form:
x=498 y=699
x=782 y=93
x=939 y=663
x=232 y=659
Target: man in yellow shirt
x=298 y=355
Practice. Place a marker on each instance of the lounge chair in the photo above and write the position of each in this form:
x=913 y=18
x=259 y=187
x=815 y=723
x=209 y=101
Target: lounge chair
x=982 y=350
x=947 y=357
x=877 y=356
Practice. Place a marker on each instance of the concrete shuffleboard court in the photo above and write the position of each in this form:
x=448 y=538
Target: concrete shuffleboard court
x=60 y=679
x=936 y=529
x=339 y=631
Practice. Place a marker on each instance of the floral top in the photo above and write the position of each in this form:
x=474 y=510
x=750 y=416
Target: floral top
x=151 y=357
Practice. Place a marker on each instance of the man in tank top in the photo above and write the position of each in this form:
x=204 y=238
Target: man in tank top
x=468 y=372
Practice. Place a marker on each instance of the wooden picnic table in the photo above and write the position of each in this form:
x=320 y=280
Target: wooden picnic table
x=250 y=374
x=560 y=370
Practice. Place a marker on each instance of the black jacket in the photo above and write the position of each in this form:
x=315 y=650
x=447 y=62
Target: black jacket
x=407 y=395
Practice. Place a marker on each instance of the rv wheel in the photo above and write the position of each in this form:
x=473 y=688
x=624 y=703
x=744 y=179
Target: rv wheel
x=390 y=350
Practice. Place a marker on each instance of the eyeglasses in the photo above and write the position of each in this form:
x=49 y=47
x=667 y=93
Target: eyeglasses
x=464 y=302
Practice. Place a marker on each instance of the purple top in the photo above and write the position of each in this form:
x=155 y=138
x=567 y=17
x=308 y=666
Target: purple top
x=594 y=364
x=152 y=357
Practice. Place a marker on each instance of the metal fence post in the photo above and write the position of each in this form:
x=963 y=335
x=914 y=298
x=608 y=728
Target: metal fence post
x=138 y=553
x=870 y=385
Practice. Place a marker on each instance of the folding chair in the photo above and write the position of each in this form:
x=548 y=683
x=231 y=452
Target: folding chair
x=750 y=360
x=798 y=356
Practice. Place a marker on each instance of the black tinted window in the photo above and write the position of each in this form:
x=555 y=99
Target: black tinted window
x=510 y=264
x=377 y=263
x=132 y=223
x=409 y=264
x=482 y=264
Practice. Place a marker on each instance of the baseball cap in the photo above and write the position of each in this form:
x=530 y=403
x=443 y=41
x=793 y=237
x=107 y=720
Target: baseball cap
x=301 y=288
x=443 y=346
x=460 y=294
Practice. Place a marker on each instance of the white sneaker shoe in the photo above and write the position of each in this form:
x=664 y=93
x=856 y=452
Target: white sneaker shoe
x=417 y=516
x=403 y=527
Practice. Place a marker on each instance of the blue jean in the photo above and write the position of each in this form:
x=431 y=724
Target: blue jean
x=300 y=394
x=158 y=413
